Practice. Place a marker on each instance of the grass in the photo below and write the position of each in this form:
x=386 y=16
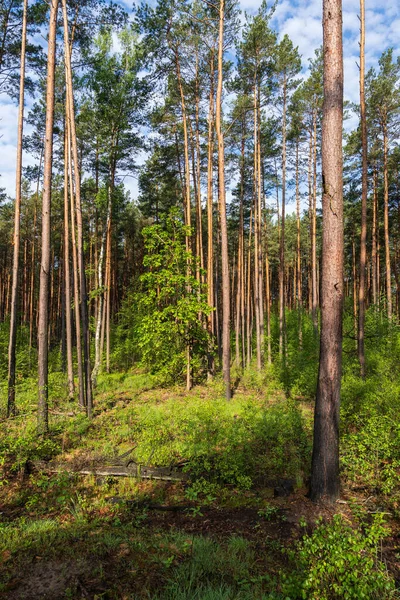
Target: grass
x=81 y=536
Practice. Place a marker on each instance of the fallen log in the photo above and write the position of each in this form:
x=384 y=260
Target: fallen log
x=132 y=470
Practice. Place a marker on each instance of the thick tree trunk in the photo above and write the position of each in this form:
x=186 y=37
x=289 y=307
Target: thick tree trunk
x=226 y=350
x=325 y=457
x=17 y=219
x=43 y=333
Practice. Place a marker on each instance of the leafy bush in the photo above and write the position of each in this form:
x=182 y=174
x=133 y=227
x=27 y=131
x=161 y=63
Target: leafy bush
x=337 y=561
x=234 y=443
x=166 y=316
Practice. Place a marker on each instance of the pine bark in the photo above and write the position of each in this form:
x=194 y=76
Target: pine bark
x=210 y=209
x=325 y=458
x=11 y=408
x=282 y=240
x=43 y=325
x=364 y=192
x=67 y=277
x=386 y=221
x=81 y=258
x=226 y=351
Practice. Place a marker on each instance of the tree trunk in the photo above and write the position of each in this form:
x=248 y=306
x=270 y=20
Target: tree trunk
x=314 y=228
x=257 y=290
x=17 y=220
x=98 y=354
x=325 y=457
x=374 y=241
x=67 y=277
x=386 y=221
x=43 y=333
x=282 y=240
x=210 y=206
x=81 y=258
x=226 y=351
x=239 y=290
x=81 y=383
x=363 y=241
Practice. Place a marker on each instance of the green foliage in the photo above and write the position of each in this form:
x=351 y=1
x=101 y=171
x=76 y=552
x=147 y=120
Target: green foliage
x=337 y=561
x=370 y=453
x=166 y=317
x=232 y=443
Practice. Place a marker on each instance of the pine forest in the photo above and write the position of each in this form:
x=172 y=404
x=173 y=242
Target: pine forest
x=199 y=300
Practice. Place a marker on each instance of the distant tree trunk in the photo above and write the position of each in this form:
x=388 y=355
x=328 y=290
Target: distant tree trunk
x=108 y=293
x=197 y=171
x=386 y=221
x=260 y=265
x=298 y=223
x=354 y=279
x=81 y=258
x=11 y=409
x=257 y=235
x=226 y=351
x=210 y=207
x=363 y=247
x=282 y=241
x=81 y=383
x=249 y=321
x=298 y=291
x=325 y=457
x=240 y=290
x=314 y=228
x=43 y=326
x=187 y=208
x=98 y=353
x=375 y=295
x=67 y=277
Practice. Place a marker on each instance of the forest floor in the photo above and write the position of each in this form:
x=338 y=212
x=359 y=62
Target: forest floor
x=226 y=528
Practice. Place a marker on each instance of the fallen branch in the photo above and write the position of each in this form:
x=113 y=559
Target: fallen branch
x=132 y=470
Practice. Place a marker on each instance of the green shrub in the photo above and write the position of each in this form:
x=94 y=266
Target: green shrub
x=337 y=561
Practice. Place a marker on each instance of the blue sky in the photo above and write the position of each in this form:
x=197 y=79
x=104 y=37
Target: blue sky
x=301 y=20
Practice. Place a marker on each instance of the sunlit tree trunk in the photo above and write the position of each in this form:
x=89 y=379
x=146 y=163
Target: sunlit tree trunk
x=386 y=221
x=226 y=350
x=325 y=457
x=210 y=203
x=78 y=332
x=282 y=240
x=81 y=258
x=67 y=277
x=43 y=325
x=374 y=241
x=11 y=409
x=363 y=241
x=257 y=235
x=314 y=228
